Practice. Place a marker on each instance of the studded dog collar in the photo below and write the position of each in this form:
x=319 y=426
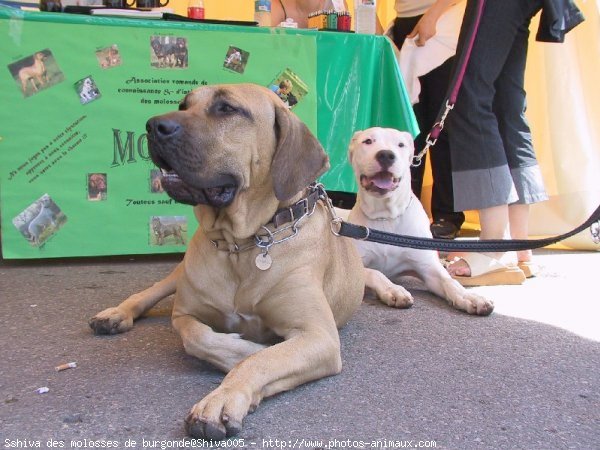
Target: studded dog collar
x=283 y=223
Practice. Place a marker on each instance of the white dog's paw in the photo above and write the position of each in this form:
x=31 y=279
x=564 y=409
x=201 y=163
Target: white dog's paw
x=111 y=321
x=475 y=304
x=397 y=297
x=218 y=415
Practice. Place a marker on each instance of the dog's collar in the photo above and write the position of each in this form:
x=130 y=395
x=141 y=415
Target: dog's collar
x=268 y=236
x=298 y=210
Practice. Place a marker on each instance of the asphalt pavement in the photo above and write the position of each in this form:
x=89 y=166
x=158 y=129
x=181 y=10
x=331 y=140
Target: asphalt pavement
x=526 y=377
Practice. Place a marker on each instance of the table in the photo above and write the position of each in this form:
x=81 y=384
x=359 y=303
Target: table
x=73 y=145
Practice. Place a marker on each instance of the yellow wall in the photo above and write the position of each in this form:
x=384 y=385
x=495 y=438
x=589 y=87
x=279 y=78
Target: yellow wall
x=244 y=9
x=220 y=9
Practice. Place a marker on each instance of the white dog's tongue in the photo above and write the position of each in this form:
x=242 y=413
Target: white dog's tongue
x=383 y=181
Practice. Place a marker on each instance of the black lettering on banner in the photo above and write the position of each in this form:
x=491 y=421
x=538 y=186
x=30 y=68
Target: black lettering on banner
x=124 y=151
x=121 y=150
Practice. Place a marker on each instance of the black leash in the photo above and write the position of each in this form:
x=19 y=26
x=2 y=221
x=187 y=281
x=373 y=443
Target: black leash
x=347 y=229
x=489 y=245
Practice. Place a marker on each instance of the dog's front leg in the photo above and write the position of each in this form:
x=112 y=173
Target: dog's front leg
x=311 y=350
x=222 y=350
x=389 y=293
x=120 y=318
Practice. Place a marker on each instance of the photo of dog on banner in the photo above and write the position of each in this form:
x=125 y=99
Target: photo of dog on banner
x=36 y=72
x=40 y=221
x=168 y=52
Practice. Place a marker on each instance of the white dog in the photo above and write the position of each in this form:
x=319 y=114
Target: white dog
x=381 y=159
x=43 y=219
x=235 y=59
x=88 y=91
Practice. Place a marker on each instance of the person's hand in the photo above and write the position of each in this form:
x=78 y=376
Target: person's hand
x=426 y=26
x=424 y=30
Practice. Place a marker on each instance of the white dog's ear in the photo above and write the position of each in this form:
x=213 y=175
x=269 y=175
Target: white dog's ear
x=408 y=141
x=355 y=135
x=352 y=145
x=299 y=157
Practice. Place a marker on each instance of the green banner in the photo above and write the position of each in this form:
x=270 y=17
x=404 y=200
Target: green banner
x=76 y=178
x=76 y=91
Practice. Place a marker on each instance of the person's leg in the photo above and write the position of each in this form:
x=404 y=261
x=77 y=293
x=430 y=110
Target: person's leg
x=482 y=178
x=519 y=229
x=442 y=195
x=434 y=85
x=481 y=175
x=446 y=222
x=510 y=106
x=518 y=216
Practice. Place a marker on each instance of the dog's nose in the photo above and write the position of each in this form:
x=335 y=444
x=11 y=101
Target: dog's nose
x=163 y=128
x=386 y=158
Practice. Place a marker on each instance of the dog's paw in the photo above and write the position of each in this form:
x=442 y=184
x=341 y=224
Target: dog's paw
x=111 y=321
x=476 y=304
x=219 y=415
x=397 y=297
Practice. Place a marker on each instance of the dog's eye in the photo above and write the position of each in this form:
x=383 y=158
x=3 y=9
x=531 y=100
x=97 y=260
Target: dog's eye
x=182 y=106
x=401 y=144
x=225 y=108
x=368 y=141
x=221 y=107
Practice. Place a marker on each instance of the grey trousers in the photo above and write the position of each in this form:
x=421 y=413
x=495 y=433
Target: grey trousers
x=493 y=161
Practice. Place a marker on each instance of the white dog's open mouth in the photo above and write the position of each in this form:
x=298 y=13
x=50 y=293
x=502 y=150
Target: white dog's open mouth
x=381 y=182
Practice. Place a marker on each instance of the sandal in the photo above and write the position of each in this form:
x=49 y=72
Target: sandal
x=529 y=268
x=487 y=271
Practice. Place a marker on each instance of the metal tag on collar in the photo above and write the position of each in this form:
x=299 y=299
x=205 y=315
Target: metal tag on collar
x=263 y=260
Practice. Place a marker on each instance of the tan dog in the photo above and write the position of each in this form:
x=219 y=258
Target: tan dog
x=33 y=73
x=381 y=159
x=243 y=160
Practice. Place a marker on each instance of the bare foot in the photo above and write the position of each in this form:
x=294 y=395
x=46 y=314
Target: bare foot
x=458 y=267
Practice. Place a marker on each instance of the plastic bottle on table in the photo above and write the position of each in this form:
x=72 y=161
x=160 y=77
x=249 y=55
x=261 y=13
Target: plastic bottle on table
x=195 y=9
x=365 y=16
x=262 y=12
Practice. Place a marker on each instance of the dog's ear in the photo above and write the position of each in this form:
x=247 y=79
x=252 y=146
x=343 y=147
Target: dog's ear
x=408 y=141
x=353 y=143
x=299 y=157
x=355 y=135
